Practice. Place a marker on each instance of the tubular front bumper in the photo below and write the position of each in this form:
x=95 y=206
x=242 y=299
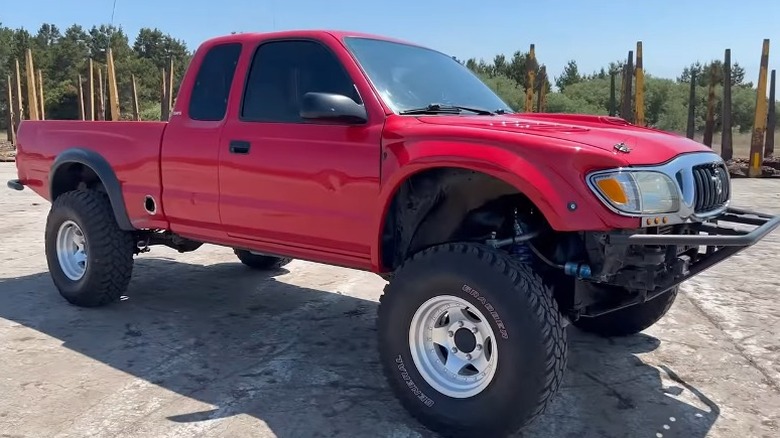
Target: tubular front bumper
x=721 y=242
x=683 y=256
x=716 y=235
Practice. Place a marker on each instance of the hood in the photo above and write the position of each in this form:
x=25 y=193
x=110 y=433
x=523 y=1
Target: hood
x=644 y=145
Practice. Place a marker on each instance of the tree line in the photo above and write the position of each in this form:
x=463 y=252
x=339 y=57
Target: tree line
x=63 y=55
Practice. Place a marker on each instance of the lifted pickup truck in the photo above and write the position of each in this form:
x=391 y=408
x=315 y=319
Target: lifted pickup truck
x=495 y=230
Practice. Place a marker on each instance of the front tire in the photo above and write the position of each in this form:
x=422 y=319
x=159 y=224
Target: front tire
x=470 y=341
x=632 y=319
x=89 y=258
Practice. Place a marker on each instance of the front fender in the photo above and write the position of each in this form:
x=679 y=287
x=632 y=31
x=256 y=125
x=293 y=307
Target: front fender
x=555 y=186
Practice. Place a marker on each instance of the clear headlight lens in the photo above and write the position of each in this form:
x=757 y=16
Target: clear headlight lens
x=638 y=192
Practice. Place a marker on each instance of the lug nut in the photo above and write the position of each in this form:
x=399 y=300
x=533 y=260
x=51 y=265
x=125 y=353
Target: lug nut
x=460 y=323
x=468 y=357
x=454 y=350
x=474 y=330
x=479 y=346
x=451 y=333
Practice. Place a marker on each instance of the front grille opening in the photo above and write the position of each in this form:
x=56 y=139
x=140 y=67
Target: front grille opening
x=711 y=182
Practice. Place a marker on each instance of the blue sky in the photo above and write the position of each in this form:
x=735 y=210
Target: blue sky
x=594 y=32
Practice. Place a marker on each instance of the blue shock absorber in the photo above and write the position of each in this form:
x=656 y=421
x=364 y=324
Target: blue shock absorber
x=521 y=252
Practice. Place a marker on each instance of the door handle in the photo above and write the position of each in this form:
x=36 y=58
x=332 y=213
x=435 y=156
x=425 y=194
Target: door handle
x=239 y=147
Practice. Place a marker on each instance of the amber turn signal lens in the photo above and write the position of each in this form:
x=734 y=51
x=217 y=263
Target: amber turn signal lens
x=612 y=189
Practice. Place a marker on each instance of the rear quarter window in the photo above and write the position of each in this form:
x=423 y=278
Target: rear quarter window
x=209 y=97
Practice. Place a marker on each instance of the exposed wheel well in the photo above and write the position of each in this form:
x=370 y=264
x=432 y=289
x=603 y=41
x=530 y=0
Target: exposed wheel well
x=449 y=204
x=73 y=176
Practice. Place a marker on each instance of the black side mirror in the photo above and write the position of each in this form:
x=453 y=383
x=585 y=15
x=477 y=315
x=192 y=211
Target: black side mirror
x=333 y=107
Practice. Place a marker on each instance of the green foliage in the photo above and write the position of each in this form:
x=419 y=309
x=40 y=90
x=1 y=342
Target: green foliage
x=506 y=88
x=713 y=70
x=62 y=56
x=570 y=76
x=515 y=69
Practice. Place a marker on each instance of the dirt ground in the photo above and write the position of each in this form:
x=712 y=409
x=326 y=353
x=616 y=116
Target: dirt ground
x=202 y=346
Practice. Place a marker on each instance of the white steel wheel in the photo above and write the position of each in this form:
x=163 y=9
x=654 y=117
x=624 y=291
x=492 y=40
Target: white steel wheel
x=453 y=346
x=71 y=250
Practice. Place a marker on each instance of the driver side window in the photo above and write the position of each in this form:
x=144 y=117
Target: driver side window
x=282 y=72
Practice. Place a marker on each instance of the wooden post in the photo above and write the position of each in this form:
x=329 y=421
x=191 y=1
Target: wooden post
x=691 y=128
x=639 y=103
x=170 y=89
x=82 y=116
x=40 y=95
x=113 y=91
x=709 y=122
x=541 y=97
x=164 y=103
x=101 y=106
x=32 y=94
x=612 y=103
x=726 y=143
x=626 y=110
x=759 y=122
x=769 y=145
x=91 y=91
x=529 y=87
x=134 y=97
x=19 y=103
x=11 y=124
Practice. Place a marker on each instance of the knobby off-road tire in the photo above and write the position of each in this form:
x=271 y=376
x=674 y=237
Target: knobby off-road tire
x=631 y=320
x=528 y=348
x=260 y=262
x=85 y=216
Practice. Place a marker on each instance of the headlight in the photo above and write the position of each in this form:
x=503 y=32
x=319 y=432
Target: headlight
x=637 y=192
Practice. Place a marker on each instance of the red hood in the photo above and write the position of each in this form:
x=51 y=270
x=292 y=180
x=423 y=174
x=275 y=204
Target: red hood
x=648 y=146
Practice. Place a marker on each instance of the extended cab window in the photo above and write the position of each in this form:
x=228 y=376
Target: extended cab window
x=212 y=84
x=283 y=71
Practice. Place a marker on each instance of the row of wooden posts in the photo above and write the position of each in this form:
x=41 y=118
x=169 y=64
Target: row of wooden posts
x=764 y=124
x=34 y=107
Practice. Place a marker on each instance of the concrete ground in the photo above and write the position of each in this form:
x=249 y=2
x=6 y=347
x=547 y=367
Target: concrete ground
x=202 y=346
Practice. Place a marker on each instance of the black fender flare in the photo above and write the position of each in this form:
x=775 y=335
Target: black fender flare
x=103 y=170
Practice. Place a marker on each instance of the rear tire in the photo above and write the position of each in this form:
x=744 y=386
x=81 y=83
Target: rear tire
x=631 y=320
x=260 y=262
x=510 y=368
x=90 y=259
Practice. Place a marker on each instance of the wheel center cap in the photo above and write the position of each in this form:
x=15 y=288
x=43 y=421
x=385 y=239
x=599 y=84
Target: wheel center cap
x=465 y=341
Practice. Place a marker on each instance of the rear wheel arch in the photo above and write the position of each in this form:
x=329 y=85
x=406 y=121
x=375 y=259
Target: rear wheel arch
x=83 y=168
x=437 y=205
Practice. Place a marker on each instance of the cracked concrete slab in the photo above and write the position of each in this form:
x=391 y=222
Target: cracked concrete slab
x=202 y=346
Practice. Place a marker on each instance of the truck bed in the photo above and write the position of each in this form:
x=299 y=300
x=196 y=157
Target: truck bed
x=132 y=148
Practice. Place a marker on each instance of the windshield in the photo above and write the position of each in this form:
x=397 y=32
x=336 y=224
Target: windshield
x=410 y=77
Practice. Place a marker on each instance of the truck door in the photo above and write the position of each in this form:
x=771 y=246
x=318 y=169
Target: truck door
x=307 y=186
x=190 y=148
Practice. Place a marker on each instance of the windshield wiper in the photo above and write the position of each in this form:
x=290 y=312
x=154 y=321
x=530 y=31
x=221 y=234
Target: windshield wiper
x=437 y=108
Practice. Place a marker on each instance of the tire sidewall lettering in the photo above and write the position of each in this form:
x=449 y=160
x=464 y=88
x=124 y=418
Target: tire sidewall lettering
x=427 y=401
x=490 y=309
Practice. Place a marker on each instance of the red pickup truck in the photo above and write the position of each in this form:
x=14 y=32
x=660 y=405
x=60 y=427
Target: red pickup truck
x=494 y=229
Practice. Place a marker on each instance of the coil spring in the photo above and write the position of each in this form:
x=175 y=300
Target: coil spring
x=521 y=253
